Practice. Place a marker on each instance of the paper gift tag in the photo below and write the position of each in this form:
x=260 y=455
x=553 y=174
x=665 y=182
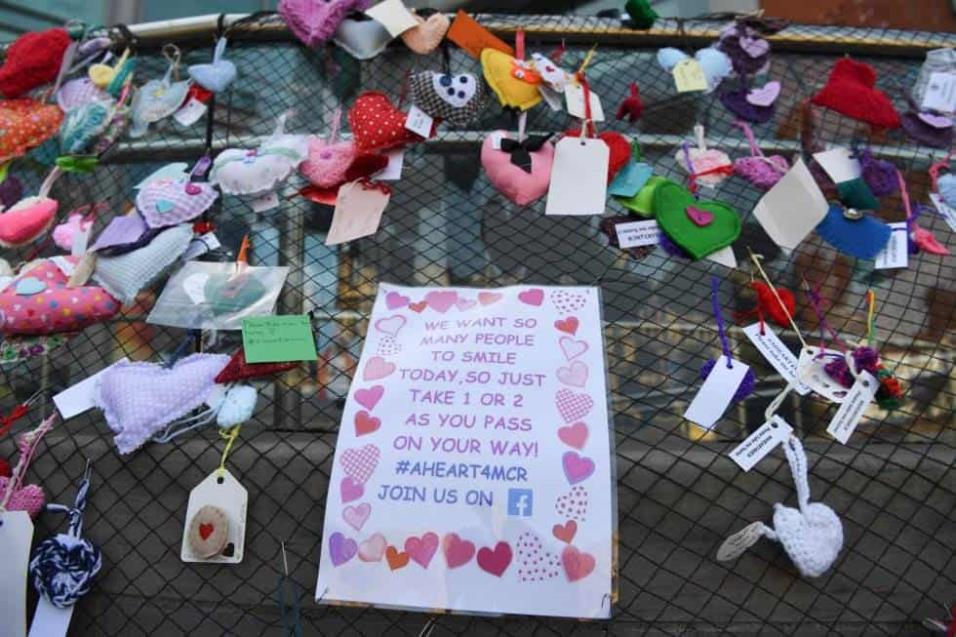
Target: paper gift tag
x=50 y=621
x=578 y=177
x=190 y=112
x=393 y=169
x=838 y=164
x=16 y=535
x=940 y=94
x=761 y=442
x=224 y=492
x=776 y=353
x=851 y=410
x=358 y=213
x=946 y=212
x=419 y=122
x=715 y=395
x=574 y=96
x=393 y=15
x=635 y=234
x=896 y=253
x=77 y=398
x=810 y=372
x=790 y=210
x=689 y=76
x=472 y=37
x=630 y=179
x=265 y=202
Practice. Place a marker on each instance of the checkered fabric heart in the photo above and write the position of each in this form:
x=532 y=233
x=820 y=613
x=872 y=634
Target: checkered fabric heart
x=457 y=99
x=167 y=202
x=359 y=464
x=572 y=406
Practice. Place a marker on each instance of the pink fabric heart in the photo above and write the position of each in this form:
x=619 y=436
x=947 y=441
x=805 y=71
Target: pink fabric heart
x=327 y=163
x=577 y=468
x=534 y=296
x=574 y=435
x=394 y=300
x=510 y=180
x=765 y=95
x=441 y=302
x=377 y=368
x=575 y=374
x=704 y=161
x=29 y=498
x=314 y=21
x=368 y=398
x=422 y=549
x=26 y=220
x=701 y=218
x=356 y=516
x=351 y=490
x=65 y=234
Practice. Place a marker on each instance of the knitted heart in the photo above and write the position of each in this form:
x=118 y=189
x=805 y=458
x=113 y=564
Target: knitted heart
x=78 y=92
x=620 y=149
x=504 y=76
x=812 y=539
x=167 y=202
x=738 y=102
x=925 y=133
x=314 y=21
x=377 y=125
x=29 y=498
x=327 y=163
x=25 y=124
x=26 y=220
x=762 y=172
x=850 y=90
x=457 y=99
x=534 y=563
x=425 y=38
x=82 y=125
x=671 y=202
x=512 y=181
x=239 y=369
x=32 y=60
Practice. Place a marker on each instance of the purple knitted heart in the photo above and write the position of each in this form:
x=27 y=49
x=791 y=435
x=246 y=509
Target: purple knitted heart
x=166 y=202
x=926 y=134
x=765 y=95
x=736 y=102
x=314 y=21
x=743 y=63
x=763 y=172
x=11 y=191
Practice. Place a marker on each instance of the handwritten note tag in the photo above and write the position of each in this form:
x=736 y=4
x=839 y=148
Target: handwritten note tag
x=574 y=98
x=190 y=113
x=630 y=179
x=394 y=16
x=790 y=210
x=940 y=94
x=358 y=212
x=946 y=212
x=16 y=535
x=634 y=234
x=277 y=339
x=578 y=177
x=689 y=76
x=761 y=442
x=895 y=254
x=472 y=37
x=419 y=122
x=776 y=353
x=848 y=416
x=715 y=394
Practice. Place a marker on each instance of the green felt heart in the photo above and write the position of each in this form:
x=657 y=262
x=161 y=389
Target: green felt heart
x=643 y=201
x=670 y=205
x=855 y=193
x=226 y=294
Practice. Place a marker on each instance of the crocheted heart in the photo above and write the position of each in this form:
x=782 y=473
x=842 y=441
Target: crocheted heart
x=33 y=60
x=426 y=37
x=505 y=77
x=812 y=540
x=78 y=92
x=850 y=90
x=258 y=171
x=314 y=21
x=704 y=161
x=327 y=164
x=671 y=202
x=239 y=369
x=29 y=498
x=620 y=151
x=457 y=99
x=167 y=202
x=26 y=220
x=377 y=125
x=214 y=76
x=362 y=37
x=762 y=172
x=512 y=181
x=927 y=134
x=82 y=125
x=25 y=124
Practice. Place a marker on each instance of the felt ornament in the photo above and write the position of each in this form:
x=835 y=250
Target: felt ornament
x=749 y=381
x=169 y=202
x=519 y=170
x=259 y=171
x=512 y=80
x=208 y=532
x=26 y=124
x=853 y=232
x=758 y=169
x=851 y=91
x=754 y=105
x=855 y=193
x=699 y=227
x=879 y=175
x=123 y=276
x=77 y=222
x=457 y=99
x=377 y=125
x=239 y=369
x=217 y=75
x=748 y=52
x=706 y=166
x=920 y=238
x=314 y=21
x=14 y=495
x=109 y=78
x=641 y=13
x=631 y=107
x=552 y=75
x=770 y=304
x=78 y=92
x=39 y=301
x=714 y=63
x=642 y=203
x=928 y=128
x=34 y=59
x=618 y=145
x=157 y=99
x=428 y=34
x=11 y=191
x=361 y=37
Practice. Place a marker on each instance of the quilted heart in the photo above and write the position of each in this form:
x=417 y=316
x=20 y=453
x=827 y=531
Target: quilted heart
x=314 y=21
x=25 y=124
x=29 y=498
x=671 y=202
x=78 y=92
x=509 y=80
x=425 y=38
x=511 y=180
x=166 y=202
x=327 y=164
x=534 y=563
x=360 y=463
x=26 y=220
x=573 y=406
x=377 y=125
x=456 y=99
x=33 y=59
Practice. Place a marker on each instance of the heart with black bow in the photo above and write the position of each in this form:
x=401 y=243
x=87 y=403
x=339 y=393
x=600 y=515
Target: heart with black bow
x=521 y=151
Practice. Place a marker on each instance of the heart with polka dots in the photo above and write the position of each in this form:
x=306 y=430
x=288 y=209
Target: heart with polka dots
x=567 y=302
x=534 y=563
x=377 y=125
x=573 y=505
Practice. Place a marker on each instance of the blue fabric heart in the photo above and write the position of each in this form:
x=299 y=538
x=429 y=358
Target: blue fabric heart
x=947 y=189
x=215 y=77
x=28 y=286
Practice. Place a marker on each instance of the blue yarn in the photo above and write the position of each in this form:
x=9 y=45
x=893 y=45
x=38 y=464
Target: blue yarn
x=861 y=238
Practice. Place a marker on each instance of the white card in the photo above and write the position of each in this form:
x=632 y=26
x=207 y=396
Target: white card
x=394 y=16
x=201 y=245
x=735 y=545
x=265 y=202
x=776 y=353
x=945 y=211
x=177 y=171
x=940 y=93
x=80 y=241
x=716 y=394
x=77 y=398
x=838 y=164
x=634 y=234
x=851 y=410
x=16 y=535
x=232 y=498
x=757 y=445
x=551 y=97
x=810 y=371
x=190 y=112
x=578 y=177
x=790 y=210
x=419 y=122
x=896 y=253
x=574 y=95
x=50 y=621
x=393 y=170
x=725 y=256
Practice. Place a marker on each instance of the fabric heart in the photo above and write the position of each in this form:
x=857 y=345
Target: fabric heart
x=377 y=368
x=863 y=237
x=573 y=505
x=744 y=64
x=425 y=38
x=706 y=165
x=575 y=374
x=518 y=185
x=216 y=76
x=946 y=186
x=372 y=549
x=458 y=552
x=565 y=532
x=377 y=125
x=153 y=101
x=754 y=47
x=368 y=398
x=25 y=124
x=851 y=90
x=314 y=21
x=125 y=275
x=356 y=516
x=566 y=301
x=574 y=435
x=936 y=121
x=258 y=171
x=83 y=125
x=422 y=549
x=534 y=563
x=238 y=369
x=166 y=202
x=573 y=406
x=642 y=203
x=620 y=149
x=365 y=423
x=533 y=296
x=924 y=133
x=341 y=549
x=441 y=301
x=737 y=101
x=509 y=80
x=65 y=233
x=361 y=37
x=78 y=92
x=577 y=468
x=572 y=348
x=26 y=220
x=671 y=202
x=497 y=560
x=577 y=564
x=700 y=217
x=764 y=96
x=327 y=164
x=360 y=463
x=456 y=99
x=33 y=59
x=350 y=490
x=29 y=498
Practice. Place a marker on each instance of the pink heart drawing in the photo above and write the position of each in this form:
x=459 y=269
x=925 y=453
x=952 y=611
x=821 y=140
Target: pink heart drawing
x=458 y=552
x=422 y=549
x=573 y=505
x=574 y=435
x=534 y=563
x=572 y=406
x=368 y=398
x=441 y=301
x=351 y=490
x=29 y=498
x=577 y=468
x=487 y=298
x=572 y=348
x=390 y=325
x=360 y=463
x=936 y=121
x=464 y=305
x=341 y=549
x=566 y=301
x=534 y=296
x=394 y=300
x=372 y=549
x=577 y=564
x=568 y=325
x=765 y=95
x=701 y=218
x=356 y=516
x=575 y=375
x=377 y=368
x=754 y=47
x=365 y=423
x=496 y=560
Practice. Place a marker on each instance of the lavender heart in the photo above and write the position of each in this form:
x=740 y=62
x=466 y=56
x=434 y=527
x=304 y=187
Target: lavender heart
x=341 y=549
x=764 y=96
x=167 y=203
x=936 y=121
x=754 y=47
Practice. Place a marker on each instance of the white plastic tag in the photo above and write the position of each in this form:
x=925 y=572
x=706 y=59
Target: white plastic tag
x=265 y=202
x=776 y=353
x=735 y=545
x=419 y=122
x=394 y=16
x=16 y=535
x=810 y=371
x=757 y=445
x=393 y=170
x=851 y=411
x=895 y=254
x=940 y=94
x=50 y=621
x=224 y=492
x=945 y=211
x=715 y=395
x=689 y=76
x=574 y=97
x=190 y=113
x=634 y=234
x=578 y=177
x=201 y=245
x=77 y=398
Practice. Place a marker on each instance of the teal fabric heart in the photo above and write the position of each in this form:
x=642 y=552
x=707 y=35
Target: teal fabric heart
x=164 y=205
x=28 y=286
x=227 y=294
x=82 y=125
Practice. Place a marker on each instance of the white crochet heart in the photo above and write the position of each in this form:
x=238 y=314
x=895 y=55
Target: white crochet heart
x=812 y=539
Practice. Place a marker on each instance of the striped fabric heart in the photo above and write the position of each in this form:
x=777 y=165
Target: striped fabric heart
x=167 y=202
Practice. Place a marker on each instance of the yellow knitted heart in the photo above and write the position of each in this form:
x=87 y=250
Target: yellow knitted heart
x=512 y=91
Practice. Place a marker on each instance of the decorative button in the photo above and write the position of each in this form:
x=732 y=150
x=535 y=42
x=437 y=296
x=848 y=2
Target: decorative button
x=852 y=214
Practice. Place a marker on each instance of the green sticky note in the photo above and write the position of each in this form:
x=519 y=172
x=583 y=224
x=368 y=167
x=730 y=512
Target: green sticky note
x=277 y=339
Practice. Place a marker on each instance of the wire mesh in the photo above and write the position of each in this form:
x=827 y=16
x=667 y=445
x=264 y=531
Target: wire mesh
x=679 y=494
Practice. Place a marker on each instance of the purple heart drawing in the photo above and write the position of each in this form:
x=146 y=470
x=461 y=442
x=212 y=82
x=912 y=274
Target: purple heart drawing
x=936 y=121
x=351 y=490
x=394 y=300
x=765 y=95
x=341 y=549
x=577 y=468
x=754 y=47
x=368 y=398
x=391 y=325
x=701 y=218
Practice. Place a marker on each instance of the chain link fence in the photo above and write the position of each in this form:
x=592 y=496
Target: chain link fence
x=679 y=494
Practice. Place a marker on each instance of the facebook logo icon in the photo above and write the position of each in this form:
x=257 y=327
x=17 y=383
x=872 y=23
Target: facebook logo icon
x=520 y=502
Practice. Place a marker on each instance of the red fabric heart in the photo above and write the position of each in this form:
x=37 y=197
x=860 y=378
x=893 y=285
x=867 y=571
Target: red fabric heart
x=377 y=125
x=205 y=530
x=620 y=151
x=850 y=91
x=26 y=124
x=33 y=60
x=239 y=369
x=365 y=166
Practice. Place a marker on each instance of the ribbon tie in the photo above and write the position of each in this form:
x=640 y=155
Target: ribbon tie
x=521 y=151
x=77 y=163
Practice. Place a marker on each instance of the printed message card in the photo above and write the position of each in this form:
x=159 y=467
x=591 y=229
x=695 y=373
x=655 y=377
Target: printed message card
x=472 y=470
